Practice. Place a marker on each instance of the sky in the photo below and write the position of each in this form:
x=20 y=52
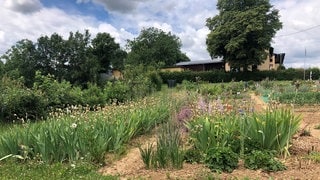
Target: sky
x=124 y=19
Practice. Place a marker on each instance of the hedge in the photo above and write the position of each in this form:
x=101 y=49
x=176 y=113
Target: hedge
x=222 y=76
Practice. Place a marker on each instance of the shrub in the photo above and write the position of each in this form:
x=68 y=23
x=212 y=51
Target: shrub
x=116 y=91
x=221 y=159
x=93 y=95
x=58 y=94
x=20 y=103
x=264 y=160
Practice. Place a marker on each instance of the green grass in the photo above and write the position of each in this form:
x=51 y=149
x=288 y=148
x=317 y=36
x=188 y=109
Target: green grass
x=35 y=170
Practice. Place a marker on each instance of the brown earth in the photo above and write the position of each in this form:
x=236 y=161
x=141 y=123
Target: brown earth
x=298 y=166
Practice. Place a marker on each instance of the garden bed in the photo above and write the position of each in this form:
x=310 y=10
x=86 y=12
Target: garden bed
x=299 y=166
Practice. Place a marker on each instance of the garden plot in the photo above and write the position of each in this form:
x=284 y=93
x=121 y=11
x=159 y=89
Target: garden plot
x=300 y=164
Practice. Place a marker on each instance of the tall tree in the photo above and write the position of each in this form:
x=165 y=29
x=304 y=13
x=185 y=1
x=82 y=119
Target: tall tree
x=51 y=55
x=107 y=52
x=155 y=47
x=20 y=61
x=1 y=68
x=242 y=31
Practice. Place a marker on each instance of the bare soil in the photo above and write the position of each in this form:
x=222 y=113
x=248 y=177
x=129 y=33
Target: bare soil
x=298 y=166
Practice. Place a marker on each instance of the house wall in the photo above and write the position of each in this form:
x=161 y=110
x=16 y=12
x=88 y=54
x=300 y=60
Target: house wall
x=116 y=74
x=204 y=67
x=268 y=64
x=172 y=69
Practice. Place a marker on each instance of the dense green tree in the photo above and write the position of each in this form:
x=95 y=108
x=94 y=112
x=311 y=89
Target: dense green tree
x=155 y=47
x=82 y=65
x=107 y=52
x=77 y=59
x=21 y=62
x=242 y=31
x=51 y=55
x=1 y=68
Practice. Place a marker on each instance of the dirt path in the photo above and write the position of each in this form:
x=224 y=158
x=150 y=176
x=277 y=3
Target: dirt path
x=131 y=164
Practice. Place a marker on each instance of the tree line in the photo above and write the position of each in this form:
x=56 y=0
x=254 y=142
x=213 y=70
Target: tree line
x=240 y=34
x=80 y=59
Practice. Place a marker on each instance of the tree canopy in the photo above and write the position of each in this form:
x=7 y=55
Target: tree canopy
x=77 y=59
x=155 y=47
x=242 y=31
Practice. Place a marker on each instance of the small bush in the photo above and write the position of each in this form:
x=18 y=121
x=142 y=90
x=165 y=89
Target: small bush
x=221 y=159
x=116 y=91
x=264 y=160
x=20 y=103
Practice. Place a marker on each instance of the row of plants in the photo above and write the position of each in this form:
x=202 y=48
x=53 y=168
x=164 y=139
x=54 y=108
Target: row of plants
x=290 y=92
x=18 y=102
x=220 y=141
x=76 y=134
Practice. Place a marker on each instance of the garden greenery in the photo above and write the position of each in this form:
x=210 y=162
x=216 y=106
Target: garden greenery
x=83 y=134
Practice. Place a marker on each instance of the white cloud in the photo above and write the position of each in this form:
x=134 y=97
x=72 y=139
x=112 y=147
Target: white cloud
x=23 y=6
x=297 y=17
x=184 y=18
x=47 y=21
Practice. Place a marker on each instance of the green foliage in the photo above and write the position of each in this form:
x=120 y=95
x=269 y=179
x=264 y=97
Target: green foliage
x=272 y=130
x=168 y=151
x=193 y=155
x=82 y=134
x=156 y=48
x=264 y=160
x=117 y=91
x=300 y=98
x=242 y=31
x=77 y=59
x=57 y=94
x=314 y=156
x=93 y=96
x=221 y=76
x=147 y=155
x=218 y=131
x=37 y=170
x=221 y=159
x=18 y=103
x=108 y=52
x=141 y=80
x=21 y=61
x=212 y=90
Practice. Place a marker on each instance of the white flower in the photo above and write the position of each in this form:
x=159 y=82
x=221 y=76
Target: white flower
x=73 y=165
x=73 y=125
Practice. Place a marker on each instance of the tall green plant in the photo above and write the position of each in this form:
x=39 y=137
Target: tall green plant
x=168 y=151
x=219 y=131
x=87 y=134
x=272 y=130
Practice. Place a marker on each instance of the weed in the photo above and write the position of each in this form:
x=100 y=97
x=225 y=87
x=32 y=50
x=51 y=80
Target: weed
x=314 y=156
